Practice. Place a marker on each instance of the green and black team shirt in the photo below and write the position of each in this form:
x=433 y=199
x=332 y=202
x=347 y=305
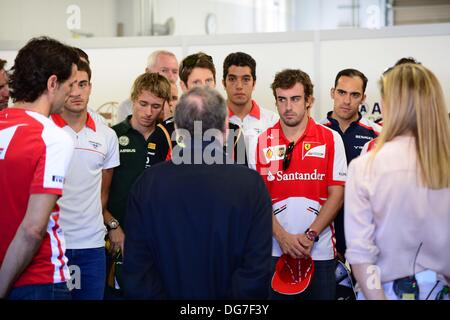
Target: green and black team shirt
x=136 y=154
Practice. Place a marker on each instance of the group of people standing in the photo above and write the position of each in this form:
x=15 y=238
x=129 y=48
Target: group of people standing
x=201 y=197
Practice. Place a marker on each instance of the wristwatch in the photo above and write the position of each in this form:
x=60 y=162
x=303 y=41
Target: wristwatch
x=312 y=235
x=112 y=224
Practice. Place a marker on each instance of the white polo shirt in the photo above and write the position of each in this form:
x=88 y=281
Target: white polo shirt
x=96 y=148
x=255 y=122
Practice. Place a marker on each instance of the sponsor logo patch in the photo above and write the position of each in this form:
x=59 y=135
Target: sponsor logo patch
x=151 y=146
x=275 y=153
x=58 y=179
x=95 y=144
x=127 y=150
x=270 y=176
x=358 y=136
x=124 y=141
x=296 y=176
x=313 y=149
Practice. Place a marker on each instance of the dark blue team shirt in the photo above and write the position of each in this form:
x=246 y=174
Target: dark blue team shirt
x=356 y=136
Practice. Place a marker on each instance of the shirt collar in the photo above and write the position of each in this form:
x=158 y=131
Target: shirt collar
x=255 y=111
x=60 y=122
x=336 y=123
x=127 y=123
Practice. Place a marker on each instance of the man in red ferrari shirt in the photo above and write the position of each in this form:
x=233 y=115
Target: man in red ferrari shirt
x=304 y=166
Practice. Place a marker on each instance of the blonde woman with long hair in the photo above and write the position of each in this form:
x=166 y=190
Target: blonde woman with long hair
x=397 y=197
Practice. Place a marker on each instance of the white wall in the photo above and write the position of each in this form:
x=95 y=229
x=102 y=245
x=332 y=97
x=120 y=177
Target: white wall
x=114 y=71
x=233 y=16
x=373 y=56
x=23 y=19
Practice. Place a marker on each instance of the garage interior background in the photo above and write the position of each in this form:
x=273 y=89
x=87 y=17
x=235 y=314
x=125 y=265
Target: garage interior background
x=320 y=37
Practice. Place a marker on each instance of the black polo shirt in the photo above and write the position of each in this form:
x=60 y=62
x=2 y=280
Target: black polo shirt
x=136 y=154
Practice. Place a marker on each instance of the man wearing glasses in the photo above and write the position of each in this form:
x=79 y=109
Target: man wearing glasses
x=304 y=166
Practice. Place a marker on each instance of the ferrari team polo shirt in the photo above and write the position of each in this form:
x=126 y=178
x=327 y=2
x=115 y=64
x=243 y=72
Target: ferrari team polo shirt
x=298 y=193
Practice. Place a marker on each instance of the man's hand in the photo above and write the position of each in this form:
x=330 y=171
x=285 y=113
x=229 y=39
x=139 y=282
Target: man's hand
x=117 y=239
x=291 y=244
x=27 y=240
x=306 y=245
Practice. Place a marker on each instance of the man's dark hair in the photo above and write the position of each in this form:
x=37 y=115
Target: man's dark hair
x=82 y=54
x=84 y=66
x=239 y=59
x=401 y=61
x=406 y=60
x=351 y=73
x=287 y=78
x=2 y=64
x=35 y=63
x=196 y=60
x=201 y=104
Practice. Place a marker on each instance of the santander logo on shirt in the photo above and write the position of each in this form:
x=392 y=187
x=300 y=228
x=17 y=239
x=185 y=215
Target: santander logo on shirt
x=295 y=176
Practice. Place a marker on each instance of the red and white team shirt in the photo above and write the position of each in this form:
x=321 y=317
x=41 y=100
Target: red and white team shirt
x=34 y=157
x=318 y=161
x=254 y=123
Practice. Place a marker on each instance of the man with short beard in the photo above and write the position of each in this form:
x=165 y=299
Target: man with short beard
x=303 y=165
x=348 y=94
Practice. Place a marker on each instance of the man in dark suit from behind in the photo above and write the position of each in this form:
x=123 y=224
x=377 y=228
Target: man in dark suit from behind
x=214 y=240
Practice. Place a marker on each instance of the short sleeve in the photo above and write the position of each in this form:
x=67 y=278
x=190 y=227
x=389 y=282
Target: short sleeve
x=53 y=162
x=112 y=159
x=337 y=161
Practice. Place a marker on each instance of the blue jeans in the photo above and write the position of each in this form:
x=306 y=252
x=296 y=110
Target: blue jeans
x=88 y=273
x=53 y=291
x=321 y=287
